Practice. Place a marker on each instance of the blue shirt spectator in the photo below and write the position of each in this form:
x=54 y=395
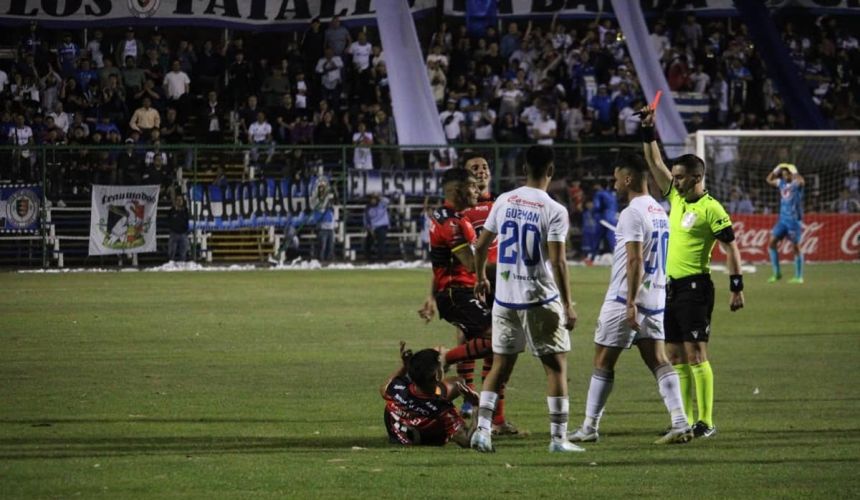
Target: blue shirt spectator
x=376 y=213
x=602 y=105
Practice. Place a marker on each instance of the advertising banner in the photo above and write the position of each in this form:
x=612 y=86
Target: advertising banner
x=122 y=219
x=826 y=237
x=20 y=206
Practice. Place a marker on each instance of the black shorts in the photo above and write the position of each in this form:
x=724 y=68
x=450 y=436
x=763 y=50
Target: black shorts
x=461 y=308
x=689 y=304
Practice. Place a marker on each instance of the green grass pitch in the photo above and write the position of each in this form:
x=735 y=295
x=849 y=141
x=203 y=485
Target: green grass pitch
x=264 y=385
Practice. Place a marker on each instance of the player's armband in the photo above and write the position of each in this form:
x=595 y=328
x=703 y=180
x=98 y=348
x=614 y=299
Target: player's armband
x=726 y=235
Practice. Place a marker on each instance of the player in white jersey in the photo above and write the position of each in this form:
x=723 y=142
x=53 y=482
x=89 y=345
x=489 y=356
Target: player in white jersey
x=532 y=297
x=636 y=317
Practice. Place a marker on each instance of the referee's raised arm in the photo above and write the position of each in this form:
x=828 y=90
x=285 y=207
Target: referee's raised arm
x=651 y=148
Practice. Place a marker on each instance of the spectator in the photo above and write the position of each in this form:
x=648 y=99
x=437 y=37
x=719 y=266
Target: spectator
x=845 y=204
x=337 y=37
x=176 y=84
x=313 y=43
x=739 y=203
x=132 y=76
x=545 y=130
x=510 y=41
x=329 y=69
x=209 y=69
x=61 y=118
x=376 y=223
x=451 y=120
x=438 y=81
x=145 y=118
x=275 y=87
x=362 y=156
x=67 y=55
x=177 y=223
x=172 y=131
x=210 y=119
x=240 y=75
x=572 y=121
x=326 y=224
x=328 y=131
x=187 y=57
x=628 y=121
x=360 y=50
x=259 y=133
x=129 y=47
x=94 y=49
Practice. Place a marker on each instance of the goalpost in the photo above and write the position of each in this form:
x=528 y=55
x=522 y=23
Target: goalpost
x=738 y=161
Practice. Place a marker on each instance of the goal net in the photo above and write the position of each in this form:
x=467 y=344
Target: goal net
x=738 y=163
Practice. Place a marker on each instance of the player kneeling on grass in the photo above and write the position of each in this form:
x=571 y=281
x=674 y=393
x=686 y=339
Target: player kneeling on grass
x=629 y=317
x=419 y=402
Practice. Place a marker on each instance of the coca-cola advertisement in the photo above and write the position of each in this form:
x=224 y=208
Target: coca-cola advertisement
x=826 y=237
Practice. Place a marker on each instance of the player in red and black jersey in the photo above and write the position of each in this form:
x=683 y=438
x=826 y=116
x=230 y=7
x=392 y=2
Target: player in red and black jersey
x=479 y=168
x=419 y=408
x=452 y=291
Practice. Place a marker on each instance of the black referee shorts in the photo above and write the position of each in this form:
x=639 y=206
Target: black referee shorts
x=689 y=305
x=461 y=308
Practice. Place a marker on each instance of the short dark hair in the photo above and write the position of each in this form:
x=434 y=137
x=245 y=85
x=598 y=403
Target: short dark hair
x=635 y=164
x=423 y=365
x=691 y=163
x=538 y=160
x=471 y=155
x=455 y=175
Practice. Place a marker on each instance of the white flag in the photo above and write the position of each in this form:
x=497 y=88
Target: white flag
x=122 y=219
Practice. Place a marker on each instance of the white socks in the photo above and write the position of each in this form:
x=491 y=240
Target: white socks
x=670 y=389
x=487 y=407
x=598 y=393
x=559 y=410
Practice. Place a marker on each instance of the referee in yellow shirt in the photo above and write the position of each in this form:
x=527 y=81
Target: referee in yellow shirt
x=696 y=222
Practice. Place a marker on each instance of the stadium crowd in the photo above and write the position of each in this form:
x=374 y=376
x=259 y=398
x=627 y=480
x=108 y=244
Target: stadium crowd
x=549 y=82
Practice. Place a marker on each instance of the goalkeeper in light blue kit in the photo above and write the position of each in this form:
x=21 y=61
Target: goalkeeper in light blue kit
x=790 y=183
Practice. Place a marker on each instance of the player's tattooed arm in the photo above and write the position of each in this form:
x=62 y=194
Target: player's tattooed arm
x=428 y=309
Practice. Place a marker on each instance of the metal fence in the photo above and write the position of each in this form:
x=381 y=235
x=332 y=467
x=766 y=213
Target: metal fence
x=408 y=175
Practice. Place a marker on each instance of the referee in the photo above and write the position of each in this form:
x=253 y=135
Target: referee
x=696 y=222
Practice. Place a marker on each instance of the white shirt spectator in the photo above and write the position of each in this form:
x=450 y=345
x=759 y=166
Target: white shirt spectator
x=150 y=157
x=94 y=47
x=542 y=128
x=362 y=157
x=484 y=132
x=129 y=48
x=4 y=80
x=360 y=55
x=574 y=122
x=62 y=120
x=629 y=120
x=259 y=132
x=176 y=83
x=700 y=81
x=21 y=136
x=452 y=128
x=330 y=71
x=442 y=59
x=661 y=44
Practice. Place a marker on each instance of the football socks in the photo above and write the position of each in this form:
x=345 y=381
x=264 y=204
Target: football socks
x=669 y=385
x=685 y=379
x=774 y=261
x=598 y=392
x=704 y=376
x=559 y=411
x=486 y=409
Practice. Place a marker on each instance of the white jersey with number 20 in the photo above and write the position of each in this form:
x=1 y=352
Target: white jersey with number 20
x=645 y=221
x=525 y=219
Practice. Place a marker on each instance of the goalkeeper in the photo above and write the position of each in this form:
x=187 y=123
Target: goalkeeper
x=790 y=184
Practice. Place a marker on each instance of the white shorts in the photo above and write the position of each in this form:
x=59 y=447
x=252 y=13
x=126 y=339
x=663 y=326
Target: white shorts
x=542 y=327
x=612 y=329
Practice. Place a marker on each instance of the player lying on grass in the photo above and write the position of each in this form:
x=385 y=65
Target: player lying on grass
x=419 y=402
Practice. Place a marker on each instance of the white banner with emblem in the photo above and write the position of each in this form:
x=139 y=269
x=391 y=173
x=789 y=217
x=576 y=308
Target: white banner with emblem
x=122 y=220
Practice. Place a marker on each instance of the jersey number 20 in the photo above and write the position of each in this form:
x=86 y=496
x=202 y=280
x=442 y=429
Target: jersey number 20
x=657 y=256
x=519 y=242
